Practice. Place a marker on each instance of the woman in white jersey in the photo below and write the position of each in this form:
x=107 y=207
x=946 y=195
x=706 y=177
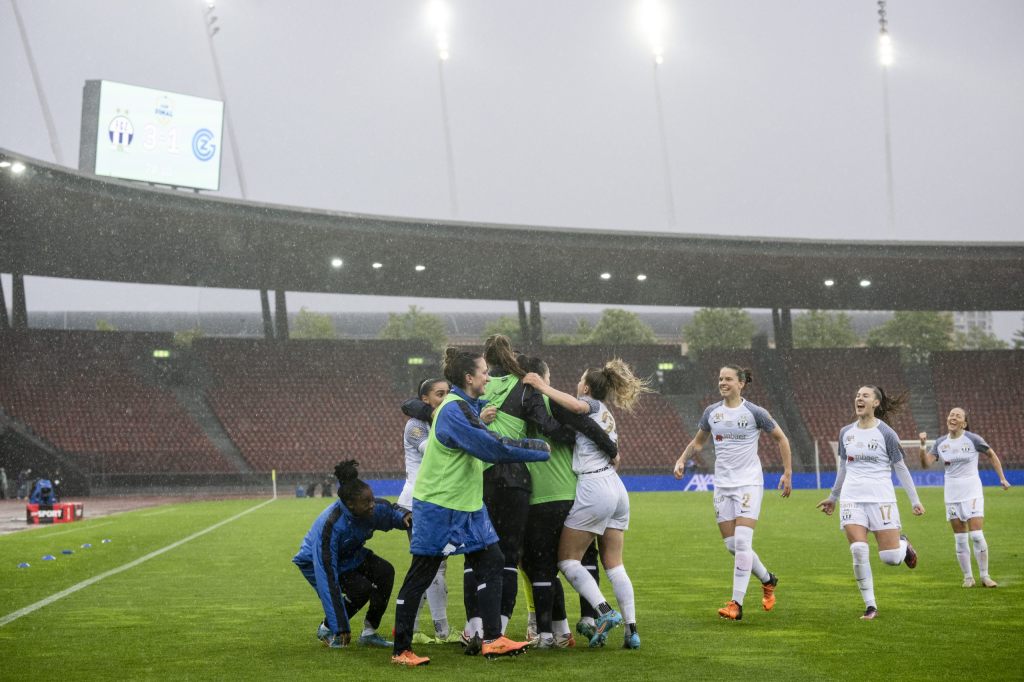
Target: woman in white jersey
x=601 y=507
x=965 y=501
x=735 y=424
x=869 y=451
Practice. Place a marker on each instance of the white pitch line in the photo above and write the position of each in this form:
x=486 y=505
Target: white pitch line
x=162 y=511
x=15 y=615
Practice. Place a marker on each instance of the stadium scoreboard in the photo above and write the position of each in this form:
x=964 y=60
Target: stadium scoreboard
x=137 y=133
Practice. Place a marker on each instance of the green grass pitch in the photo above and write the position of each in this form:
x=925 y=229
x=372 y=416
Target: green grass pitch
x=230 y=605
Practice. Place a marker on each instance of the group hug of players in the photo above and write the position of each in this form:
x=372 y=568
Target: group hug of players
x=516 y=475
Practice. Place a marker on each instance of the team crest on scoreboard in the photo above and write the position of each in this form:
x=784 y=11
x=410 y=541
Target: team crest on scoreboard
x=120 y=130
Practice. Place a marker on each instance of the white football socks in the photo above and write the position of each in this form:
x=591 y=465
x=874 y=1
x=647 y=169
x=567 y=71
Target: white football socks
x=623 y=588
x=980 y=551
x=582 y=581
x=963 y=554
x=862 y=571
x=744 y=540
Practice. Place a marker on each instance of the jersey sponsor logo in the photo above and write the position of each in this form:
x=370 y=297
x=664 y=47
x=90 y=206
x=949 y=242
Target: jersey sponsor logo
x=849 y=458
x=719 y=437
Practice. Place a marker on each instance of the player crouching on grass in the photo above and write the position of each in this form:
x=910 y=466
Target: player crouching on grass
x=345 y=574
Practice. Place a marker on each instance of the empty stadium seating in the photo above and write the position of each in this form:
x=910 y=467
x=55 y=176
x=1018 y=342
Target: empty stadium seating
x=304 y=405
x=986 y=384
x=825 y=381
x=80 y=392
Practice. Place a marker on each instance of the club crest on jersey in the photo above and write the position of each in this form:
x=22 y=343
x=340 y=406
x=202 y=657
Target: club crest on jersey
x=873 y=445
x=743 y=422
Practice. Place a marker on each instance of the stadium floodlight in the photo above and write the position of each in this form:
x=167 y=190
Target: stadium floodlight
x=651 y=16
x=440 y=17
x=830 y=282
x=336 y=263
x=641 y=278
x=606 y=275
x=5 y=164
x=421 y=268
x=885 y=50
x=865 y=283
x=17 y=167
x=377 y=266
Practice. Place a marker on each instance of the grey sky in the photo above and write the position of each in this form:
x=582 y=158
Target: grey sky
x=773 y=112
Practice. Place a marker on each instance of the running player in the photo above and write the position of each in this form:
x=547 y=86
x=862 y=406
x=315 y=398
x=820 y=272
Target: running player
x=449 y=516
x=963 y=495
x=869 y=451
x=735 y=423
x=345 y=574
x=601 y=507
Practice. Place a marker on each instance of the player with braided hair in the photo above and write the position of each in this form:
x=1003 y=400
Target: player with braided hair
x=345 y=574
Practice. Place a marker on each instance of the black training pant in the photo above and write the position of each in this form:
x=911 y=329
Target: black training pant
x=508 y=509
x=486 y=565
x=371 y=581
x=540 y=560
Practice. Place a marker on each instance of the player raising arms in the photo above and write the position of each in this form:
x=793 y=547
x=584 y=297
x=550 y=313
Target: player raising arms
x=963 y=495
x=601 y=507
x=448 y=510
x=869 y=451
x=735 y=424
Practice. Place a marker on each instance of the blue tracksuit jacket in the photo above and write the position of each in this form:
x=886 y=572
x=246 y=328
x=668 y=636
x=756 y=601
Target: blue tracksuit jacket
x=335 y=545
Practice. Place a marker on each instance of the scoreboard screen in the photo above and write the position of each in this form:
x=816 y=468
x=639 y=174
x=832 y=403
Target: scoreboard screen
x=137 y=133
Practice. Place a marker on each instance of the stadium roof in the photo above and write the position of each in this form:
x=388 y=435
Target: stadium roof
x=58 y=222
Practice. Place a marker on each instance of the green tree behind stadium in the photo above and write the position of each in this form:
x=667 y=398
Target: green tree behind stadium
x=310 y=325
x=822 y=329
x=916 y=333
x=620 y=327
x=416 y=324
x=718 y=328
x=509 y=326
x=976 y=338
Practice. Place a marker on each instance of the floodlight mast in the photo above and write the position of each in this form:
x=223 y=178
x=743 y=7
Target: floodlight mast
x=439 y=16
x=885 y=58
x=652 y=21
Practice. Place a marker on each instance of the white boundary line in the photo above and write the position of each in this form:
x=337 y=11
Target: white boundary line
x=15 y=615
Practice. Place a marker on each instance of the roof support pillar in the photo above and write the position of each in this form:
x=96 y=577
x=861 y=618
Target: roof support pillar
x=268 y=322
x=281 y=315
x=19 y=318
x=782 y=323
x=536 y=337
x=5 y=323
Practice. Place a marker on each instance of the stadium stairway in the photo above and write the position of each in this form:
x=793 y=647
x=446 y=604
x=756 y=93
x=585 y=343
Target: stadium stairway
x=923 y=404
x=193 y=401
x=787 y=410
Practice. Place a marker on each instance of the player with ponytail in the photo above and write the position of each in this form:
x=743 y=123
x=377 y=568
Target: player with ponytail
x=345 y=574
x=448 y=511
x=601 y=505
x=869 y=453
x=736 y=425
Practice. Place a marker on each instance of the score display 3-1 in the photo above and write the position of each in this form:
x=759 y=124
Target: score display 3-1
x=137 y=133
